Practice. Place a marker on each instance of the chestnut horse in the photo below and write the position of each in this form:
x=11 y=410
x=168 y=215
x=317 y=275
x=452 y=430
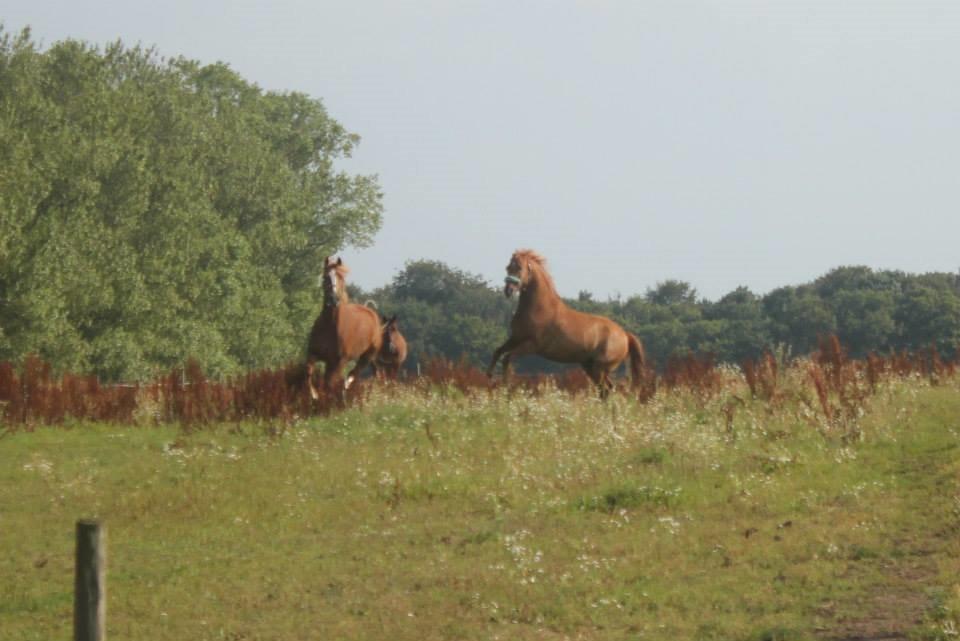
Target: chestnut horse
x=394 y=349
x=545 y=326
x=343 y=332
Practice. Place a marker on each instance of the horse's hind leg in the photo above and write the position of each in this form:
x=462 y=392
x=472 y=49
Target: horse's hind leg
x=600 y=377
x=593 y=372
x=606 y=378
x=606 y=385
x=365 y=358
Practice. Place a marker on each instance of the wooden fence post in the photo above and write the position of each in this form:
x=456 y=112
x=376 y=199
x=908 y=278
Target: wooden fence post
x=90 y=587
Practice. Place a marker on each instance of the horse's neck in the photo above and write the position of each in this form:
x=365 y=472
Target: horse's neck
x=331 y=300
x=538 y=297
x=329 y=316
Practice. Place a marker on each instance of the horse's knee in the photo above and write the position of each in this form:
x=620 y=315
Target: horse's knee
x=328 y=378
x=493 y=363
x=309 y=378
x=506 y=367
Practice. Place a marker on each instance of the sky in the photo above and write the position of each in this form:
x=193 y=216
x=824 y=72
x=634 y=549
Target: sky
x=725 y=144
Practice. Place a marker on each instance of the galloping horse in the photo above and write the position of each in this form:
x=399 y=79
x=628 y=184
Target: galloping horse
x=394 y=349
x=343 y=332
x=545 y=326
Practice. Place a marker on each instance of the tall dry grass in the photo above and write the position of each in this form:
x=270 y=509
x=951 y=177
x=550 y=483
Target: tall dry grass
x=30 y=395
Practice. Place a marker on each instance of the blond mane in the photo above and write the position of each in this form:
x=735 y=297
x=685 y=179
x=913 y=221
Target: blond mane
x=342 y=271
x=537 y=262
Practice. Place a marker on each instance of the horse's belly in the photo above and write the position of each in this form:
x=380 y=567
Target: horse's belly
x=591 y=344
x=563 y=350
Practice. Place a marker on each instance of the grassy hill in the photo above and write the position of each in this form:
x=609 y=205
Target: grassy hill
x=427 y=513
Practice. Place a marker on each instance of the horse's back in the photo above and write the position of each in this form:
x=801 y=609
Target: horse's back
x=358 y=329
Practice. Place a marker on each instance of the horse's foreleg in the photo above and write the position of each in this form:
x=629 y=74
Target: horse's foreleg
x=496 y=357
x=310 y=367
x=333 y=371
x=510 y=344
x=522 y=348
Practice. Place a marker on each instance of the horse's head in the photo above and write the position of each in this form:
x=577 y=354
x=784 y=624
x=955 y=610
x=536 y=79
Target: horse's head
x=334 y=278
x=519 y=271
x=391 y=331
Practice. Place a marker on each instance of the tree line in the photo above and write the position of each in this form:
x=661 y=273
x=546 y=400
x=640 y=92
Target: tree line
x=157 y=209
x=445 y=311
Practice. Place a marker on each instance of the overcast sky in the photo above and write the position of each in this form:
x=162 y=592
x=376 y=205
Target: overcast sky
x=721 y=143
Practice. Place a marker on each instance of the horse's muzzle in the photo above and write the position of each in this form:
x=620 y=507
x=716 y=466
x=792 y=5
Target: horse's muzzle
x=510 y=285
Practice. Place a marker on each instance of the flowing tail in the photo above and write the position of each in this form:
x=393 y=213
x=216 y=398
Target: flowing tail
x=638 y=359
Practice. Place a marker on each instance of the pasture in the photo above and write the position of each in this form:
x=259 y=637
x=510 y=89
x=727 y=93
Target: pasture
x=429 y=512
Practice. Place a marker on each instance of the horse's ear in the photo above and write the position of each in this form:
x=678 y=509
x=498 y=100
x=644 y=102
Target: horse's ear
x=339 y=261
x=393 y=319
x=383 y=319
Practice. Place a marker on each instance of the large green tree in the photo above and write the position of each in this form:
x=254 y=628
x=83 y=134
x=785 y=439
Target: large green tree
x=797 y=317
x=928 y=314
x=156 y=209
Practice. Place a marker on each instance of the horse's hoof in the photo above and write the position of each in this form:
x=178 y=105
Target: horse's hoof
x=347 y=383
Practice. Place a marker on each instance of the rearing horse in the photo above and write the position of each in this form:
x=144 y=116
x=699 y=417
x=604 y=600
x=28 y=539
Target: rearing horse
x=343 y=332
x=544 y=325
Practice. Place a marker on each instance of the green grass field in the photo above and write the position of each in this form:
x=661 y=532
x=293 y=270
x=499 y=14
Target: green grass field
x=428 y=514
